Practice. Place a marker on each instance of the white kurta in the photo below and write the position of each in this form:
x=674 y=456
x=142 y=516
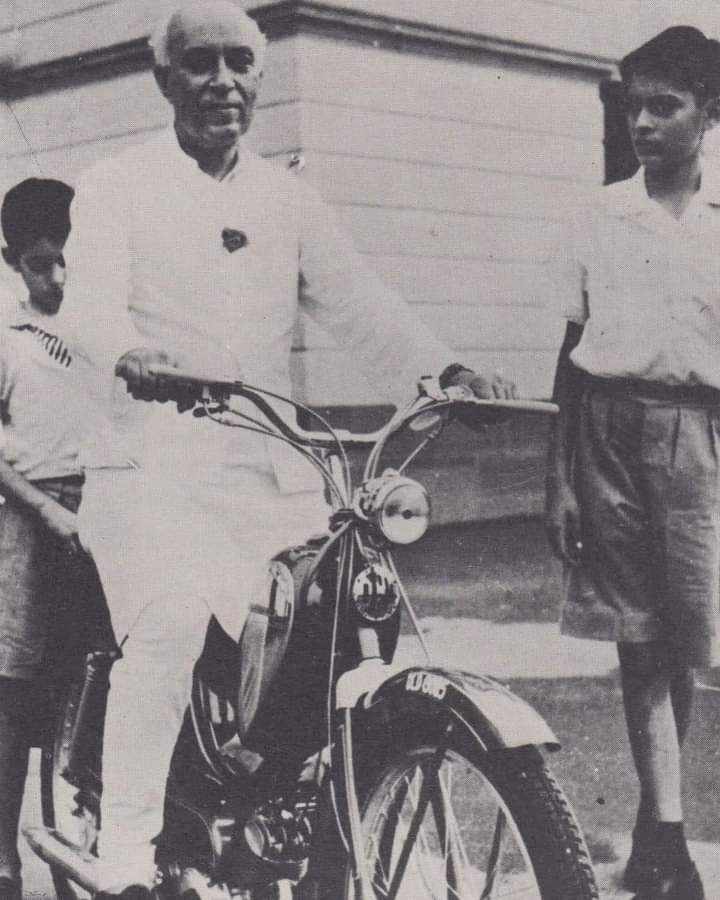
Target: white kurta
x=181 y=515
x=149 y=268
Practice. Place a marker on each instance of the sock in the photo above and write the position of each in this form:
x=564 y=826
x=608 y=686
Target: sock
x=671 y=847
x=645 y=826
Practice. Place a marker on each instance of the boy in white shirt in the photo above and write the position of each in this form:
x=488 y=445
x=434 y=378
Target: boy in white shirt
x=42 y=567
x=634 y=481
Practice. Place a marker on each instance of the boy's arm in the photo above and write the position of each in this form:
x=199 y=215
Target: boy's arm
x=59 y=520
x=562 y=512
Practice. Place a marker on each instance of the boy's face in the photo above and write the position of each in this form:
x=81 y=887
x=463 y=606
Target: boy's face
x=666 y=124
x=42 y=267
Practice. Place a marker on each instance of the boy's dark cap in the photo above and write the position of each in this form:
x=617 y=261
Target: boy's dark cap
x=682 y=54
x=34 y=209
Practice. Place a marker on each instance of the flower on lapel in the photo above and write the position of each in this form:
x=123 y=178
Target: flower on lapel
x=233 y=239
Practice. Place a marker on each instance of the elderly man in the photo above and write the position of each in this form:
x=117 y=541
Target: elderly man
x=189 y=250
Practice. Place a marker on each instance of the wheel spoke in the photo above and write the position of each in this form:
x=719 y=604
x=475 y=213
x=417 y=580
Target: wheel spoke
x=429 y=775
x=452 y=827
x=439 y=812
x=495 y=856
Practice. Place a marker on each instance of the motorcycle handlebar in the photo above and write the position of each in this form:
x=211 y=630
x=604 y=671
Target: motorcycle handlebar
x=220 y=388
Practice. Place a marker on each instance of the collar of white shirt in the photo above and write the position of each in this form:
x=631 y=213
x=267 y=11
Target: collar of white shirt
x=25 y=314
x=632 y=198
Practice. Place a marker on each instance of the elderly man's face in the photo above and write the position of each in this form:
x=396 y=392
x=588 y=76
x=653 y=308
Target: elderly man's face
x=212 y=80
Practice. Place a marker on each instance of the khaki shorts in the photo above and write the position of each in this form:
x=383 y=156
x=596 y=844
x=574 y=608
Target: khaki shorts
x=647 y=483
x=50 y=602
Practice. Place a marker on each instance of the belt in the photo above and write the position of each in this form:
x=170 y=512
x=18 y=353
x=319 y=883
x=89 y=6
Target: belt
x=67 y=489
x=62 y=481
x=654 y=391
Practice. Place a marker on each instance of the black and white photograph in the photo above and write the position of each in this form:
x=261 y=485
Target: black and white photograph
x=359 y=450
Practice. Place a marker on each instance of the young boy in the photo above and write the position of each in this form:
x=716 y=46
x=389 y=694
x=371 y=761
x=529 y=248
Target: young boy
x=634 y=479
x=41 y=564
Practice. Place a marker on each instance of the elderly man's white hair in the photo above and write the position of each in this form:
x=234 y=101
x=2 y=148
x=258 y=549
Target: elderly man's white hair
x=162 y=33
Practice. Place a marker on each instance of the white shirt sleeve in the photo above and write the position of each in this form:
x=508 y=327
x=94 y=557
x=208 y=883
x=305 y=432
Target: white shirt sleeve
x=94 y=317
x=387 y=340
x=573 y=268
x=5 y=373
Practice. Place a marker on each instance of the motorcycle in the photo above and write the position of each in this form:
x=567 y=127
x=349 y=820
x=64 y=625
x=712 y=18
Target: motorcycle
x=310 y=765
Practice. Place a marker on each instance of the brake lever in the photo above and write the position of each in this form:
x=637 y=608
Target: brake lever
x=429 y=387
x=201 y=411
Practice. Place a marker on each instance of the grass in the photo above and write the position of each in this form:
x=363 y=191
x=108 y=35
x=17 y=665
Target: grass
x=499 y=570
x=595 y=767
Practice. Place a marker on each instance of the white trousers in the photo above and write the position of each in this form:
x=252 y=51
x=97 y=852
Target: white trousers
x=169 y=554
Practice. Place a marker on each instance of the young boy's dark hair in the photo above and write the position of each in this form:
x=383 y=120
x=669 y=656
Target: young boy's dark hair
x=34 y=209
x=681 y=54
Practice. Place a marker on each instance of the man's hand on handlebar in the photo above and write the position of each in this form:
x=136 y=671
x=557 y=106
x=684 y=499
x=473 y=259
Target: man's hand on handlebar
x=484 y=387
x=136 y=368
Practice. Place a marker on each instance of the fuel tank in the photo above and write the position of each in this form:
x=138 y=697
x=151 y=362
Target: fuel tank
x=278 y=676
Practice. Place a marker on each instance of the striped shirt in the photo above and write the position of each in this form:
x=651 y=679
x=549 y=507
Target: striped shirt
x=42 y=402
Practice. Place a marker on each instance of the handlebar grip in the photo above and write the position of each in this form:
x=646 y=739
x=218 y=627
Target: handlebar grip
x=528 y=406
x=462 y=394
x=181 y=377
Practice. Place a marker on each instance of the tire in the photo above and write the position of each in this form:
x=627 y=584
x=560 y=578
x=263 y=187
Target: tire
x=494 y=826
x=70 y=788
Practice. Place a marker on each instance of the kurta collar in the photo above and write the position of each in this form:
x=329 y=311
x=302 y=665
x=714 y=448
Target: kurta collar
x=173 y=155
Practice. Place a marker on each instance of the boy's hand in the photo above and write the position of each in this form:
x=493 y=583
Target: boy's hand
x=61 y=522
x=562 y=521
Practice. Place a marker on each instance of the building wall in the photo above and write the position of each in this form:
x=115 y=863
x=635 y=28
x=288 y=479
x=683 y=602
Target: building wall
x=453 y=138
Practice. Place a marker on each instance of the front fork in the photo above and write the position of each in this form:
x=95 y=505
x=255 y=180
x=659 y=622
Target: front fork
x=353 y=823
x=368 y=675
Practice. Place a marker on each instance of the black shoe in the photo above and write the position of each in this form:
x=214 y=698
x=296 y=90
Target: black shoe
x=678 y=884
x=10 y=889
x=133 y=892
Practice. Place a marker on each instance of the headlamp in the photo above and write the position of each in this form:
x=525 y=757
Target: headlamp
x=398 y=506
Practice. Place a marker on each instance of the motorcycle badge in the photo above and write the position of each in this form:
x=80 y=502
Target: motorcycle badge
x=375 y=593
x=233 y=239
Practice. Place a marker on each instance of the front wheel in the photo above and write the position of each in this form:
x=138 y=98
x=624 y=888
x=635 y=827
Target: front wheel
x=450 y=822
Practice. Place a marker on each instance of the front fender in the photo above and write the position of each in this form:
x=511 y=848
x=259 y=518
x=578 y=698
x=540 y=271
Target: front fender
x=490 y=712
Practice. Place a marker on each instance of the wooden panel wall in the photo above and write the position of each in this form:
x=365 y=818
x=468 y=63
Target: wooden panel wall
x=54 y=28
x=455 y=179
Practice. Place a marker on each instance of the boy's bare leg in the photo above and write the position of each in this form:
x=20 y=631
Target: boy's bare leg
x=652 y=725
x=682 y=695
x=15 y=701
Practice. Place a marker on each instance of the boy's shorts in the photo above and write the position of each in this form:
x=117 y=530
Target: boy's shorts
x=646 y=477
x=49 y=599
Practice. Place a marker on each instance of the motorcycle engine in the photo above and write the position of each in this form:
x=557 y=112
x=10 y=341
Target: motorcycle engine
x=220 y=855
